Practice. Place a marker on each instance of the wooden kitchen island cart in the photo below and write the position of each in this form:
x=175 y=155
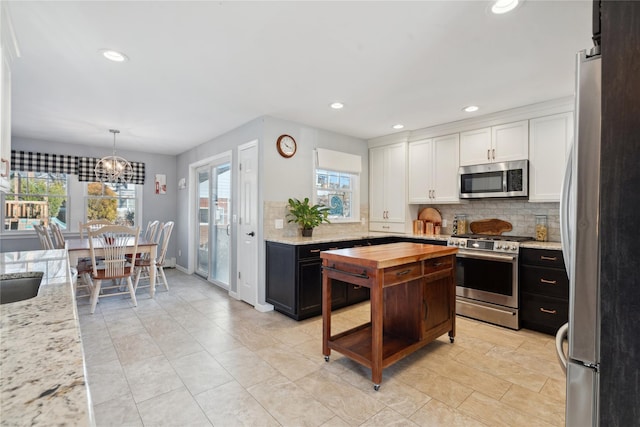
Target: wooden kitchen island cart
x=412 y=288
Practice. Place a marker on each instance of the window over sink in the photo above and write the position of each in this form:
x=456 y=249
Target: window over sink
x=337 y=184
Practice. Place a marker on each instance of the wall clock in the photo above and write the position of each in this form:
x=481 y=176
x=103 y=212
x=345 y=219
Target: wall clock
x=286 y=146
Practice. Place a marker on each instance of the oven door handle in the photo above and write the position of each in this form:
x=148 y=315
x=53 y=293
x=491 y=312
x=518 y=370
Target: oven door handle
x=490 y=257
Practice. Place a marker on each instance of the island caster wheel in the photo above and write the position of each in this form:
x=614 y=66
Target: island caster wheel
x=376 y=387
x=326 y=358
x=451 y=339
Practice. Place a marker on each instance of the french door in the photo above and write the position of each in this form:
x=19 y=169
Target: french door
x=213 y=222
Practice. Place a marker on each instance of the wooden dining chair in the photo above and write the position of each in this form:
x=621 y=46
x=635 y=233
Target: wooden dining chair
x=43 y=235
x=144 y=264
x=58 y=238
x=94 y=224
x=108 y=246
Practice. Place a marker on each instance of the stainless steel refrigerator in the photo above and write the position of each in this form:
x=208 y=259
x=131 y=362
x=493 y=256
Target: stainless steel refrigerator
x=579 y=217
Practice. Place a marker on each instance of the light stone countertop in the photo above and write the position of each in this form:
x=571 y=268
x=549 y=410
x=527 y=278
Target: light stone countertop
x=42 y=372
x=299 y=240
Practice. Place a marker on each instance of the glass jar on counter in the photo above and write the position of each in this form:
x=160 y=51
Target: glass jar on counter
x=541 y=228
x=461 y=224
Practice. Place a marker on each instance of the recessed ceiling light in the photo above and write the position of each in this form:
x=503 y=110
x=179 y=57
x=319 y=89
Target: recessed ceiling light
x=470 y=108
x=504 y=6
x=398 y=126
x=114 y=55
x=337 y=105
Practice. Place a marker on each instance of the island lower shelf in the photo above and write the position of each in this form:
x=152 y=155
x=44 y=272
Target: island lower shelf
x=412 y=301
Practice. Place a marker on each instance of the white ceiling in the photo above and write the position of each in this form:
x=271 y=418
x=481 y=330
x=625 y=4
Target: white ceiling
x=199 y=69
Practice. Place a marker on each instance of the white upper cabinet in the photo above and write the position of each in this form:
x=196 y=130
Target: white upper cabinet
x=501 y=143
x=433 y=170
x=387 y=186
x=550 y=139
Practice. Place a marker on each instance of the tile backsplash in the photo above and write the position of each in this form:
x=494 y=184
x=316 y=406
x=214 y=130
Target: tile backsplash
x=520 y=213
x=278 y=210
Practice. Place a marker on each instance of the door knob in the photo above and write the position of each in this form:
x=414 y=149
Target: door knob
x=251 y=234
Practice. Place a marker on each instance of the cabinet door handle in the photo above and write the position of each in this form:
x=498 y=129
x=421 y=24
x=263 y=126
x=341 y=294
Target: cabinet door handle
x=489 y=154
x=548 y=311
x=385 y=226
x=549 y=282
x=403 y=272
x=493 y=153
x=548 y=258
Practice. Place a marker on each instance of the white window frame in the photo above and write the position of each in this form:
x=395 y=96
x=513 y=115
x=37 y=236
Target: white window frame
x=138 y=203
x=345 y=164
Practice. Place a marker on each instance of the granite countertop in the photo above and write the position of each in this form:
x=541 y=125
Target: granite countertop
x=299 y=240
x=43 y=372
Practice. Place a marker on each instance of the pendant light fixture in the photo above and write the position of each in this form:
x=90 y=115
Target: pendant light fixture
x=113 y=169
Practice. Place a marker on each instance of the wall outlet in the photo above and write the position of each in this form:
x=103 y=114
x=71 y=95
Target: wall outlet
x=179 y=252
x=444 y=222
x=363 y=221
x=279 y=224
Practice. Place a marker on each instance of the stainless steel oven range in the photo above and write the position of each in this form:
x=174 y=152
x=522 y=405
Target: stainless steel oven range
x=487 y=278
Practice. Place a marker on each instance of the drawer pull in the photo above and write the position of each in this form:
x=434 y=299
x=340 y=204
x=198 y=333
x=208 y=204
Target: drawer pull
x=313 y=251
x=362 y=275
x=386 y=226
x=548 y=311
x=404 y=272
x=357 y=287
x=549 y=282
x=333 y=249
x=548 y=258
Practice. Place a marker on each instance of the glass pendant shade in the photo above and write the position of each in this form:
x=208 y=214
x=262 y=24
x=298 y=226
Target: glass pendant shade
x=113 y=169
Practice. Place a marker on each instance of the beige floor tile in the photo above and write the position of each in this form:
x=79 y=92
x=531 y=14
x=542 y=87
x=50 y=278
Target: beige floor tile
x=348 y=402
x=232 y=405
x=388 y=417
x=245 y=366
x=200 y=372
x=438 y=414
x=435 y=385
x=132 y=348
x=536 y=404
x=555 y=389
x=223 y=350
x=495 y=413
x=291 y=364
x=107 y=382
x=151 y=377
x=466 y=375
x=119 y=412
x=289 y=404
x=160 y=410
x=507 y=371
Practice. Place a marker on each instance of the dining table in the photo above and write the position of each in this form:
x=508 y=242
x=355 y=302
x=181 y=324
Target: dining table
x=79 y=248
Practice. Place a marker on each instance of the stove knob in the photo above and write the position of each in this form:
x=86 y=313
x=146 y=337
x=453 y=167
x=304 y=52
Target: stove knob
x=498 y=246
x=462 y=244
x=514 y=248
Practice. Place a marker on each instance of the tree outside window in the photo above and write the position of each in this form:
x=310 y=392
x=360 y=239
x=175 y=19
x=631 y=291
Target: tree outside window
x=113 y=202
x=35 y=198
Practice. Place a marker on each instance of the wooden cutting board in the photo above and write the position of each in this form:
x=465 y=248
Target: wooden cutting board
x=430 y=215
x=490 y=226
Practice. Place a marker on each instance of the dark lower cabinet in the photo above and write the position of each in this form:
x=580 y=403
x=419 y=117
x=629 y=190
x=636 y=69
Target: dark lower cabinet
x=544 y=290
x=294 y=276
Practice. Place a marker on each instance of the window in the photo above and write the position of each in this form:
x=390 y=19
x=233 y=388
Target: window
x=35 y=197
x=114 y=202
x=337 y=184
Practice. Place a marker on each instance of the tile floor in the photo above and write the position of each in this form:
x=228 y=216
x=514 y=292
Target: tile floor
x=193 y=356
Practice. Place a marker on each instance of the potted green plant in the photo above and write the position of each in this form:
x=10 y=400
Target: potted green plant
x=307 y=216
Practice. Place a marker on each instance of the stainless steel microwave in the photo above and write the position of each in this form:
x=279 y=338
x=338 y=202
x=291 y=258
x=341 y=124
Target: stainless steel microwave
x=505 y=179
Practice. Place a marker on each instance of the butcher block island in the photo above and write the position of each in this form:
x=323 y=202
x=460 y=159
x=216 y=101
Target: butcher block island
x=412 y=287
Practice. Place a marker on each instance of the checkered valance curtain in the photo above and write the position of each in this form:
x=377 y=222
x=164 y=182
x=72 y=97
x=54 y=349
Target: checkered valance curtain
x=43 y=162
x=57 y=163
x=87 y=165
